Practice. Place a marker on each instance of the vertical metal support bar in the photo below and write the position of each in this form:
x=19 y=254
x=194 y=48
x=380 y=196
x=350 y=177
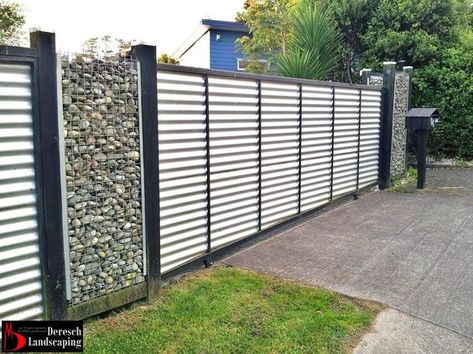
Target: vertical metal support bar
x=208 y=260
x=409 y=70
x=146 y=56
x=365 y=76
x=360 y=92
x=300 y=152
x=53 y=259
x=422 y=137
x=333 y=144
x=389 y=78
x=60 y=117
x=259 y=154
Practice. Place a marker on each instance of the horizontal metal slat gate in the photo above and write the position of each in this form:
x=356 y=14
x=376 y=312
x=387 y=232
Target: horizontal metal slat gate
x=241 y=153
x=21 y=294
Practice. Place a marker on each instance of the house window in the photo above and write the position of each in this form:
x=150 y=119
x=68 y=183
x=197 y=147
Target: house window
x=242 y=64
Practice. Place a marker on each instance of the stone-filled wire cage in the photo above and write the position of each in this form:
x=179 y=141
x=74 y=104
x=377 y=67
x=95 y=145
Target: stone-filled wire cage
x=104 y=243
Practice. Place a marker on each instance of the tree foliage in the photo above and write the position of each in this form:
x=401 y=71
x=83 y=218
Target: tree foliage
x=448 y=85
x=312 y=44
x=435 y=36
x=106 y=46
x=166 y=59
x=12 y=20
x=269 y=24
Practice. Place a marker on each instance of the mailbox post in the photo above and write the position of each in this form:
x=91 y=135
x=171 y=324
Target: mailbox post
x=421 y=121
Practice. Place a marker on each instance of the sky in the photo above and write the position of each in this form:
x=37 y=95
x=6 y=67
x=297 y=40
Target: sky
x=164 y=23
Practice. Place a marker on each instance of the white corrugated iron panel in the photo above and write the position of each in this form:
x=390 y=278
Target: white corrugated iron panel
x=317 y=105
x=182 y=168
x=345 y=150
x=233 y=123
x=369 y=137
x=233 y=141
x=279 y=152
x=21 y=295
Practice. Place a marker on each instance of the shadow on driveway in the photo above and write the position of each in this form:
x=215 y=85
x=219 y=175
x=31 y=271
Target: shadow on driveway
x=412 y=251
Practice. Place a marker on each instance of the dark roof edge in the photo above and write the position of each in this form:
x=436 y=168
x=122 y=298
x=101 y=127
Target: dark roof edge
x=225 y=25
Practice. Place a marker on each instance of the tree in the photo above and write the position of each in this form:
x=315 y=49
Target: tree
x=448 y=85
x=352 y=17
x=413 y=30
x=312 y=45
x=91 y=47
x=166 y=59
x=12 y=20
x=106 y=46
x=268 y=22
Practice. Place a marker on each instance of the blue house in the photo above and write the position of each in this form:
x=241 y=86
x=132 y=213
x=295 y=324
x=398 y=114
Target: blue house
x=213 y=46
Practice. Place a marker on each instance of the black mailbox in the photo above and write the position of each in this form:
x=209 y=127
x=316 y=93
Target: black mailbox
x=422 y=118
x=421 y=121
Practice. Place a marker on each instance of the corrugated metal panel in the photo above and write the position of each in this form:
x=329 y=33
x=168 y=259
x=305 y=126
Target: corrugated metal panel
x=345 y=158
x=234 y=155
x=316 y=146
x=20 y=272
x=233 y=159
x=182 y=168
x=369 y=137
x=279 y=152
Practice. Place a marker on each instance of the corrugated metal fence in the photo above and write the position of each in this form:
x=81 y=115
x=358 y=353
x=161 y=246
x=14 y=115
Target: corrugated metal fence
x=21 y=294
x=239 y=154
x=224 y=156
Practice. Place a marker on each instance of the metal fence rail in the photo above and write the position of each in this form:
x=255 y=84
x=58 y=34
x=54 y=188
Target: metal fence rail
x=239 y=153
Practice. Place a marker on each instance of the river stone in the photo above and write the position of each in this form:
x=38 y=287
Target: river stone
x=103 y=174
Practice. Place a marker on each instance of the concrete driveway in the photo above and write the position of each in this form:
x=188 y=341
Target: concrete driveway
x=410 y=250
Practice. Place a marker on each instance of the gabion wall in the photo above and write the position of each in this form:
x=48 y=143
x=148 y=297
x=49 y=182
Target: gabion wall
x=375 y=80
x=103 y=175
x=399 y=142
x=399 y=139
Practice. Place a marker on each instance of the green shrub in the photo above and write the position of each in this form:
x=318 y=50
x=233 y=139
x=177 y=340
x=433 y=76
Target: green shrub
x=448 y=85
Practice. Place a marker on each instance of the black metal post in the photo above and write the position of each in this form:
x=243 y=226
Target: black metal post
x=422 y=137
x=259 y=154
x=299 y=153
x=208 y=260
x=53 y=259
x=333 y=144
x=146 y=55
x=389 y=78
x=360 y=92
x=365 y=76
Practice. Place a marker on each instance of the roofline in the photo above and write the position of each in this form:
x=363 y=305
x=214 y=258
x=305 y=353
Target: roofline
x=225 y=25
x=189 y=47
x=207 y=25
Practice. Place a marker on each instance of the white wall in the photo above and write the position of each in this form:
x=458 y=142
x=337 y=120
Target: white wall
x=199 y=54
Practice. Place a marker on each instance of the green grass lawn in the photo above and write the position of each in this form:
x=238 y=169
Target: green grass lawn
x=229 y=310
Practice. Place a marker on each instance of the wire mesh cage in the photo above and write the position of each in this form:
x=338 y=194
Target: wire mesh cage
x=102 y=161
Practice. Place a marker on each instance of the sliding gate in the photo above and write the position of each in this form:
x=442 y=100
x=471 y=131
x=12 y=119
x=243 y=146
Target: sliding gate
x=239 y=153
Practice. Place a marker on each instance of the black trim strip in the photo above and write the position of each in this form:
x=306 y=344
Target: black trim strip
x=146 y=55
x=54 y=274
x=207 y=161
x=259 y=154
